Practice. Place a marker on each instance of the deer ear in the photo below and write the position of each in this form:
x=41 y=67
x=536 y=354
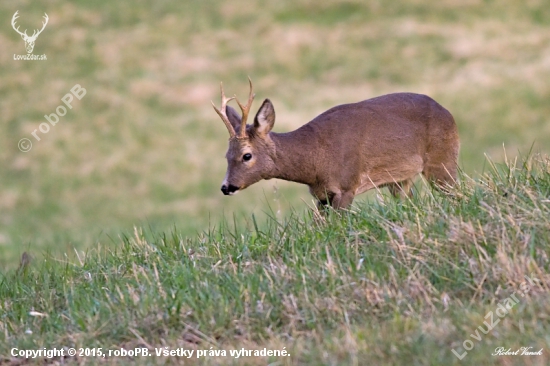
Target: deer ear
x=233 y=117
x=265 y=118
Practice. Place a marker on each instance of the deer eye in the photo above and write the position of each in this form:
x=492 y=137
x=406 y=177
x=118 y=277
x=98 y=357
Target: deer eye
x=247 y=157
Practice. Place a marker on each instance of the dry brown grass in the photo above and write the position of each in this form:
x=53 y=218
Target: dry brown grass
x=144 y=145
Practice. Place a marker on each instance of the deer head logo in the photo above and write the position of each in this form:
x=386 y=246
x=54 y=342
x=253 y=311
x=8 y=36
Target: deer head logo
x=29 y=40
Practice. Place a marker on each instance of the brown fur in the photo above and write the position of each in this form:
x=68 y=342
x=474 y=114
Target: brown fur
x=349 y=149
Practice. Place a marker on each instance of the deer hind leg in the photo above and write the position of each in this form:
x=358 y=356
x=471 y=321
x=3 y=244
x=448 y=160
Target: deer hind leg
x=441 y=164
x=402 y=189
x=441 y=175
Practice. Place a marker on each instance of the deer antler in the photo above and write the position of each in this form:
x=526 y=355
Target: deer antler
x=223 y=114
x=245 y=110
x=24 y=34
x=43 y=26
x=13 y=19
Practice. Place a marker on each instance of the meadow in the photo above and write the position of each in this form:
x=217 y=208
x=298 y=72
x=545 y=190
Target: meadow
x=119 y=212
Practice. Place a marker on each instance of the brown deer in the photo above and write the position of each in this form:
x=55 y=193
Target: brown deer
x=347 y=150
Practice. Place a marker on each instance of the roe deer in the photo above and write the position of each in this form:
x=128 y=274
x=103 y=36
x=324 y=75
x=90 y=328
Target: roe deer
x=347 y=150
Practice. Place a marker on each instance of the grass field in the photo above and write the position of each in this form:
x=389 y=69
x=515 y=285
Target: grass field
x=387 y=283
x=118 y=205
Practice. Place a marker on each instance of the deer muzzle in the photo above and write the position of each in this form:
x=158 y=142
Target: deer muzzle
x=229 y=189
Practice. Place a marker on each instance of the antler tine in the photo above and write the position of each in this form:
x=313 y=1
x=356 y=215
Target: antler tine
x=222 y=112
x=13 y=19
x=245 y=109
x=46 y=18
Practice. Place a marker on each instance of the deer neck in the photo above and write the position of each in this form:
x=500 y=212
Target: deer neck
x=294 y=156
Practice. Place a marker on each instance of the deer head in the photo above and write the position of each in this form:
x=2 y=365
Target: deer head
x=29 y=40
x=251 y=153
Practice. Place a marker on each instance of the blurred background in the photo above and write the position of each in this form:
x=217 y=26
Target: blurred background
x=143 y=147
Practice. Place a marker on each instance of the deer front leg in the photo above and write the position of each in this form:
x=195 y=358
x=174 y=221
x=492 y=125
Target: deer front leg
x=334 y=197
x=342 y=200
x=321 y=204
x=402 y=189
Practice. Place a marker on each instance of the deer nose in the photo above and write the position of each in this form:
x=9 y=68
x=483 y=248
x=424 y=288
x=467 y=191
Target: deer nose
x=229 y=189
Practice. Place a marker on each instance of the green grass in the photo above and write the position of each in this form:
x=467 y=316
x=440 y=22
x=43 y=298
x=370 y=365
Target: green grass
x=388 y=282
